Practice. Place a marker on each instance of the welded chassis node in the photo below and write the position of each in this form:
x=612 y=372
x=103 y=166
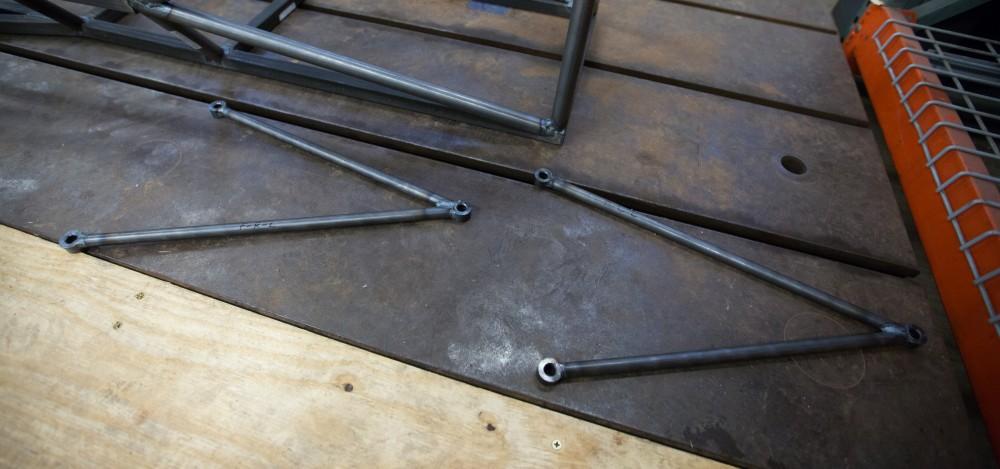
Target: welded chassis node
x=312 y=67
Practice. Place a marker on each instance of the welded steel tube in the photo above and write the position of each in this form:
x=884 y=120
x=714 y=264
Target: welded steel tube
x=220 y=110
x=209 y=48
x=75 y=241
x=577 y=36
x=552 y=371
x=549 y=7
x=546 y=178
x=56 y=12
x=316 y=56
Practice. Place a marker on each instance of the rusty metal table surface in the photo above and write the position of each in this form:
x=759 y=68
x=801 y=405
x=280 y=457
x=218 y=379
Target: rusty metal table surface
x=791 y=68
x=530 y=275
x=692 y=156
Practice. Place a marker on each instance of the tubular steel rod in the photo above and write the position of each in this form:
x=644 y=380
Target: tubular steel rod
x=546 y=178
x=270 y=17
x=14 y=8
x=316 y=56
x=75 y=241
x=549 y=7
x=209 y=48
x=212 y=50
x=56 y=12
x=551 y=371
x=220 y=110
x=577 y=36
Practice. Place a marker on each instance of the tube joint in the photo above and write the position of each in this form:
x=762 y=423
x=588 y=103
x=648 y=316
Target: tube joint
x=458 y=209
x=911 y=334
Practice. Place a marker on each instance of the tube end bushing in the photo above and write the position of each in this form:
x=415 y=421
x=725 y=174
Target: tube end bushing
x=915 y=336
x=219 y=109
x=550 y=371
x=72 y=241
x=910 y=334
x=544 y=177
x=461 y=211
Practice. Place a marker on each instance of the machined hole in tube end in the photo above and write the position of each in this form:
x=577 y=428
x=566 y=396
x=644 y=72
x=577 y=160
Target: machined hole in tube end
x=461 y=211
x=915 y=336
x=72 y=241
x=219 y=109
x=550 y=371
x=544 y=177
x=911 y=334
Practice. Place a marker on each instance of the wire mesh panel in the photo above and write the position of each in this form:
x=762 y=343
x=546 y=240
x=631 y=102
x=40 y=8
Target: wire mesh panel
x=959 y=132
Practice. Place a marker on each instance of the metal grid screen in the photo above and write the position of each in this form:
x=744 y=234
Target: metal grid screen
x=968 y=71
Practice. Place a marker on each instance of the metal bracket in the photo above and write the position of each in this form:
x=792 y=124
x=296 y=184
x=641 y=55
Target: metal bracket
x=443 y=207
x=549 y=7
x=551 y=371
x=318 y=68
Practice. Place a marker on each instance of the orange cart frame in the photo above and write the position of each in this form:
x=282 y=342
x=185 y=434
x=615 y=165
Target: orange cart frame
x=919 y=100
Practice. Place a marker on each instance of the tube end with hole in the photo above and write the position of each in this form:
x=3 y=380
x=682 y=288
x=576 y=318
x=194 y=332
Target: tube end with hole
x=461 y=211
x=915 y=336
x=550 y=371
x=911 y=334
x=219 y=109
x=73 y=241
x=544 y=177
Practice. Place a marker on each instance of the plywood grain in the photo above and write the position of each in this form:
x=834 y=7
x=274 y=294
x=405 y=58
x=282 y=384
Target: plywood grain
x=104 y=366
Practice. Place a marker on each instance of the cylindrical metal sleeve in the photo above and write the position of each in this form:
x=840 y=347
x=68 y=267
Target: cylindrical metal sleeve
x=728 y=354
x=746 y=265
x=75 y=241
x=666 y=361
x=577 y=35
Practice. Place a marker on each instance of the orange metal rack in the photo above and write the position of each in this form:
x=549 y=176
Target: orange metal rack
x=933 y=91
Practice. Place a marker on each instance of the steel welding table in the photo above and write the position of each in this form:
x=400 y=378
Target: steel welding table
x=129 y=144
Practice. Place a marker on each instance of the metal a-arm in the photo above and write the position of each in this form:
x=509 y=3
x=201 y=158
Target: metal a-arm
x=443 y=207
x=888 y=333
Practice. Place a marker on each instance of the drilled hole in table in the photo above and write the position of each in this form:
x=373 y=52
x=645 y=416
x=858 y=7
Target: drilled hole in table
x=793 y=165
